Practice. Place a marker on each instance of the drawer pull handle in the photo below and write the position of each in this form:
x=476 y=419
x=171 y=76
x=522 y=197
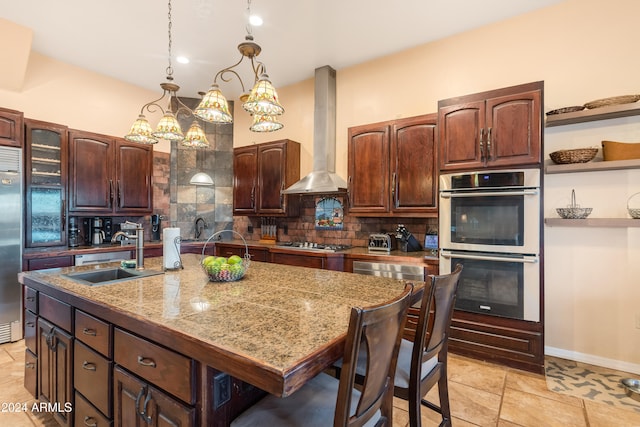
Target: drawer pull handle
x=145 y=361
x=90 y=422
x=31 y=299
x=88 y=331
x=142 y=391
x=88 y=366
x=30 y=365
x=30 y=324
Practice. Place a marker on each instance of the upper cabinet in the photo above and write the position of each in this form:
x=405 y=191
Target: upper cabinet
x=260 y=173
x=393 y=168
x=498 y=128
x=46 y=180
x=11 y=127
x=109 y=175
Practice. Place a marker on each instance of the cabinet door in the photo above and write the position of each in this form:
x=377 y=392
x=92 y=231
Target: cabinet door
x=138 y=404
x=245 y=169
x=46 y=184
x=461 y=130
x=11 y=129
x=369 y=169
x=91 y=186
x=55 y=369
x=134 y=167
x=513 y=129
x=413 y=165
x=31 y=372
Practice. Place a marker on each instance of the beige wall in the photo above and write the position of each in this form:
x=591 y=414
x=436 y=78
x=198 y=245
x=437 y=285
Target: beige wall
x=582 y=49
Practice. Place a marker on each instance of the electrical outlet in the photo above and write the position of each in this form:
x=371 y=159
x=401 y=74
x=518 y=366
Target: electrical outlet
x=637 y=320
x=221 y=389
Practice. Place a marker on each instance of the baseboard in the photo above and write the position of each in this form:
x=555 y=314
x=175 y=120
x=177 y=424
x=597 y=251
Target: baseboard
x=632 y=368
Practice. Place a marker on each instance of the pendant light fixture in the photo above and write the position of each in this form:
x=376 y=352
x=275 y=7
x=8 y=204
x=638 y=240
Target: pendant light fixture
x=261 y=102
x=201 y=178
x=168 y=128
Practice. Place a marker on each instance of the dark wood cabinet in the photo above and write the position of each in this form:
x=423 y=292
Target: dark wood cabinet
x=45 y=165
x=55 y=370
x=260 y=173
x=255 y=254
x=392 y=168
x=11 y=128
x=92 y=377
x=498 y=128
x=136 y=403
x=30 y=264
x=109 y=175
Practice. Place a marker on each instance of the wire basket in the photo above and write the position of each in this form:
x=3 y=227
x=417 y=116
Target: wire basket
x=634 y=212
x=579 y=155
x=219 y=269
x=574 y=211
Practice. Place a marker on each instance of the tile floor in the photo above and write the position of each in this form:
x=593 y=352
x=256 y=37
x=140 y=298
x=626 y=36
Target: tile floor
x=481 y=394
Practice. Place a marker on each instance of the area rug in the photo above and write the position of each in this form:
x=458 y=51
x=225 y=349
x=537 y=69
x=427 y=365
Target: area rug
x=589 y=382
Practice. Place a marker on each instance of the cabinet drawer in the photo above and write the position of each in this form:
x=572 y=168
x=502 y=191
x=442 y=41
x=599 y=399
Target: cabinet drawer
x=31 y=299
x=31 y=372
x=166 y=369
x=30 y=331
x=92 y=375
x=85 y=414
x=94 y=332
x=51 y=262
x=55 y=311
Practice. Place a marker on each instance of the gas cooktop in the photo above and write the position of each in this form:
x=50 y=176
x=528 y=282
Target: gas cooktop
x=313 y=247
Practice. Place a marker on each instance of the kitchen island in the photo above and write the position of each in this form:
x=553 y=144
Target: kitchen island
x=177 y=343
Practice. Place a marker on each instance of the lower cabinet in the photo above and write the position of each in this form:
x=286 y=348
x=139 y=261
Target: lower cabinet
x=55 y=368
x=136 y=403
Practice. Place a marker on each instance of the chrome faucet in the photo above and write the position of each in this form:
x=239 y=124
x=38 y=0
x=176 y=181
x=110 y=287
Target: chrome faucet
x=114 y=238
x=199 y=228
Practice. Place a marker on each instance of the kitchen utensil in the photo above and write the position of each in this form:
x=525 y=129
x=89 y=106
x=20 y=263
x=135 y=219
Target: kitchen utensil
x=574 y=211
x=98 y=237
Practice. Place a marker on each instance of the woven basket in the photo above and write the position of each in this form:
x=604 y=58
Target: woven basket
x=580 y=155
x=566 y=110
x=574 y=211
x=224 y=273
x=634 y=212
x=614 y=100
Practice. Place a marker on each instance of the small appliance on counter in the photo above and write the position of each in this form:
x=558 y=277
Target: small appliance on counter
x=97 y=230
x=408 y=243
x=381 y=242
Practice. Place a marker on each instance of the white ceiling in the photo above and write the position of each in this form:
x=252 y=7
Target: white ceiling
x=128 y=39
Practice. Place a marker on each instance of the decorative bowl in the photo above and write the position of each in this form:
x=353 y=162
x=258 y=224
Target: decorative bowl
x=579 y=155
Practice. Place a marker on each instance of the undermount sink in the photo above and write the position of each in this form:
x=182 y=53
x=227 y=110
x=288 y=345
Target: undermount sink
x=105 y=276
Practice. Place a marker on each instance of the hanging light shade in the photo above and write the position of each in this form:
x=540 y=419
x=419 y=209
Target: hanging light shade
x=201 y=178
x=265 y=123
x=169 y=128
x=195 y=137
x=263 y=99
x=214 y=107
x=141 y=132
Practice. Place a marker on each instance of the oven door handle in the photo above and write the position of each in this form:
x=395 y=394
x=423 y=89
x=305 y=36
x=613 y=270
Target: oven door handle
x=524 y=259
x=451 y=195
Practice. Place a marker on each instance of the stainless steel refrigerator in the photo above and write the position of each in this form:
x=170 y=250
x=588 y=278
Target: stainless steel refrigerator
x=11 y=197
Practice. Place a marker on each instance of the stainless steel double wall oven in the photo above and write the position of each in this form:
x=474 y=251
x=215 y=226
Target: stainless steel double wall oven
x=490 y=223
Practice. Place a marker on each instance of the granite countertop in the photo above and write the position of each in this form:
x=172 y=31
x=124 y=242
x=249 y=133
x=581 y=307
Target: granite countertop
x=278 y=317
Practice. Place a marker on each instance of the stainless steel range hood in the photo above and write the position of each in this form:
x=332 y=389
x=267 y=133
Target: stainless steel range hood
x=323 y=178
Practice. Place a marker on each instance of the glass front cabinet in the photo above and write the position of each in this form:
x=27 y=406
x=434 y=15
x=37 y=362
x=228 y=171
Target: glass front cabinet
x=45 y=184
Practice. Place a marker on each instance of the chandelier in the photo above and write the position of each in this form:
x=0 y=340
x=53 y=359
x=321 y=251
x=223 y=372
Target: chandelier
x=261 y=102
x=168 y=128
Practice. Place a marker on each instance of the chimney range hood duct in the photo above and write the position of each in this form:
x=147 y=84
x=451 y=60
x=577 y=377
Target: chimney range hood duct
x=323 y=178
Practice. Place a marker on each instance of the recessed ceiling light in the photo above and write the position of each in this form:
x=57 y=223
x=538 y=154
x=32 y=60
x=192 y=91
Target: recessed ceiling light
x=255 y=20
x=182 y=59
